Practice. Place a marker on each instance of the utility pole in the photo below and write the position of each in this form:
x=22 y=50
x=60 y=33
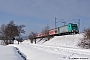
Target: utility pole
x=55 y=22
x=59 y=21
x=79 y=24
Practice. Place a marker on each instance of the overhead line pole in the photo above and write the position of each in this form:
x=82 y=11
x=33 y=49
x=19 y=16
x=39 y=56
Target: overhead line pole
x=58 y=21
x=79 y=24
x=55 y=22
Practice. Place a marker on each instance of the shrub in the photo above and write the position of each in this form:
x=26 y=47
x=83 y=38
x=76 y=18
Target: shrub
x=85 y=42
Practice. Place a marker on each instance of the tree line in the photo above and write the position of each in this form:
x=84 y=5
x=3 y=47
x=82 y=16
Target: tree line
x=9 y=31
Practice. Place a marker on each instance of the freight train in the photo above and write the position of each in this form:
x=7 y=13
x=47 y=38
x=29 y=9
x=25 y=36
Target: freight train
x=63 y=30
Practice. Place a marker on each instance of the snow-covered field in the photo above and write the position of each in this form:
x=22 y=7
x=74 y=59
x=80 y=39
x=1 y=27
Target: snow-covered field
x=58 y=48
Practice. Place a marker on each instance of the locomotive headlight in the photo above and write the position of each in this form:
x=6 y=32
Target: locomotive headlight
x=76 y=30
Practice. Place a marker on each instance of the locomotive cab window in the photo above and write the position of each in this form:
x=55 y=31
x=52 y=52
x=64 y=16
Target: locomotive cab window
x=69 y=25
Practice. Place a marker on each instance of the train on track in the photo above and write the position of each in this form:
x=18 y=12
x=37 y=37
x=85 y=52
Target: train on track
x=63 y=30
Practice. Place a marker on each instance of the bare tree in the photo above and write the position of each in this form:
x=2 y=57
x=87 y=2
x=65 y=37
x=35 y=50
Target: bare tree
x=87 y=33
x=3 y=33
x=85 y=42
x=19 y=40
x=46 y=31
x=32 y=36
x=11 y=31
x=20 y=29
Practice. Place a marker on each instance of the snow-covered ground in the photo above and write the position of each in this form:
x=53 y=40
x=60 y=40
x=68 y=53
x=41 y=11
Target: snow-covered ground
x=9 y=53
x=58 y=48
x=66 y=41
x=42 y=52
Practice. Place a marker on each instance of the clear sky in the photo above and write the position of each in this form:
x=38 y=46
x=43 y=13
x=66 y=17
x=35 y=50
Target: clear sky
x=36 y=14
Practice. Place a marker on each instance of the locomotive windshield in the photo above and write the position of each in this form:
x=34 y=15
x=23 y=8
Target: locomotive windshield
x=74 y=27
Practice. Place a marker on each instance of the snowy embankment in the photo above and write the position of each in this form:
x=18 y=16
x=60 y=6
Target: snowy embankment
x=9 y=53
x=58 y=41
x=66 y=41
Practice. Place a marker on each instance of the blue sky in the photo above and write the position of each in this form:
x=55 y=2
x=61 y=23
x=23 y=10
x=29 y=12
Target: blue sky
x=36 y=14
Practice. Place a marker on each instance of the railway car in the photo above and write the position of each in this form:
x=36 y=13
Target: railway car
x=40 y=35
x=70 y=28
x=54 y=31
